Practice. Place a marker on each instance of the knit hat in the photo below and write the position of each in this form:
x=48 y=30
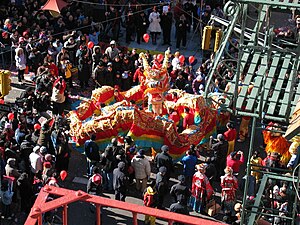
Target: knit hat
x=141 y=152
x=162 y=169
x=36 y=149
x=164 y=148
x=181 y=178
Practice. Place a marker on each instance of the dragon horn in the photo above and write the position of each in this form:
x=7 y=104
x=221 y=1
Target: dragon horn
x=145 y=62
x=166 y=59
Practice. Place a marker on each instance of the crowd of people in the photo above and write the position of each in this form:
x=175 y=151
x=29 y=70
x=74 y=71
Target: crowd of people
x=34 y=143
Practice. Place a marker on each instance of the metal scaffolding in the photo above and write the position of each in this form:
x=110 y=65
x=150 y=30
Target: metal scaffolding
x=265 y=85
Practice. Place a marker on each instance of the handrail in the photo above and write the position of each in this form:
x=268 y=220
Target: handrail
x=66 y=197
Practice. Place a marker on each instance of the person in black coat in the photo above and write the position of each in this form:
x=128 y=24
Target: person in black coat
x=161 y=186
x=166 y=25
x=142 y=24
x=164 y=159
x=91 y=150
x=180 y=190
x=120 y=182
x=220 y=147
x=181 y=31
x=100 y=74
x=26 y=148
x=84 y=65
x=180 y=207
x=26 y=193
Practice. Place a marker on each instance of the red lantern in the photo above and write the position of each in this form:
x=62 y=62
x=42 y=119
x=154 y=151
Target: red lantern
x=37 y=126
x=146 y=37
x=90 y=44
x=63 y=175
x=191 y=59
x=10 y=116
x=181 y=59
x=160 y=57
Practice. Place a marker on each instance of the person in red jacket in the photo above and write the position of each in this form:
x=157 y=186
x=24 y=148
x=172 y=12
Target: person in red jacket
x=230 y=136
x=235 y=160
x=188 y=119
x=173 y=115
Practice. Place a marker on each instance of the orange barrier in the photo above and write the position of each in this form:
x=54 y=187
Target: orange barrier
x=66 y=197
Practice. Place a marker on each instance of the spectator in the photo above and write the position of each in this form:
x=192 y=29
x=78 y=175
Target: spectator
x=161 y=186
x=163 y=159
x=91 y=151
x=182 y=27
x=220 y=147
x=35 y=159
x=189 y=162
x=120 y=182
x=142 y=24
x=141 y=166
x=94 y=185
x=20 y=63
x=230 y=136
x=6 y=199
x=180 y=191
x=154 y=26
x=180 y=207
x=235 y=160
x=58 y=96
x=166 y=24
x=112 y=51
x=11 y=169
x=256 y=160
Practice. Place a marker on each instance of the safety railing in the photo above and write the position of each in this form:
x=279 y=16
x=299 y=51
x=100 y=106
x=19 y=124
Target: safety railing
x=66 y=197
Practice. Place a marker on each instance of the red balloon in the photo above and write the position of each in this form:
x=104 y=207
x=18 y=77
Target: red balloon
x=10 y=116
x=159 y=57
x=146 y=37
x=191 y=59
x=1 y=101
x=63 y=175
x=90 y=45
x=181 y=59
x=37 y=126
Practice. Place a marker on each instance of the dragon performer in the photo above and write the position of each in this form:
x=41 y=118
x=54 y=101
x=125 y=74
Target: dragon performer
x=156 y=83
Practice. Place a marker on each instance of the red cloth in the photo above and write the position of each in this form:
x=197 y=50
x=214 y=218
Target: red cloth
x=230 y=135
x=235 y=163
x=188 y=120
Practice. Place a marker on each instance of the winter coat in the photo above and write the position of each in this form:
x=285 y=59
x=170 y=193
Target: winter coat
x=91 y=150
x=120 y=180
x=180 y=191
x=154 y=25
x=96 y=57
x=141 y=167
x=164 y=159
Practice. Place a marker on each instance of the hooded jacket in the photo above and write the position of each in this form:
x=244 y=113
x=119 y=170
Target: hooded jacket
x=119 y=178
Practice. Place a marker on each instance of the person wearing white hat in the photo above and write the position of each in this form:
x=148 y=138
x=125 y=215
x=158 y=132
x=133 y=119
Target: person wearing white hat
x=35 y=159
x=201 y=189
x=112 y=51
